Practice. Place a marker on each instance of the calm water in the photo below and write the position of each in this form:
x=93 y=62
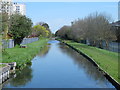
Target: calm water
x=58 y=66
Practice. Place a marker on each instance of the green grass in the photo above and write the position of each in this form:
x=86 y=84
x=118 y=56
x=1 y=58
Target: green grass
x=0 y=47
x=0 y=40
x=107 y=60
x=2 y=65
x=23 y=56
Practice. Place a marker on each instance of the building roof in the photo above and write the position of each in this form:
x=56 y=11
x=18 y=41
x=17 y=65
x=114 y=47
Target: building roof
x=117 y=24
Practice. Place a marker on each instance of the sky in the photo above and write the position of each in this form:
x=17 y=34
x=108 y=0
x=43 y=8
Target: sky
x=58 y=14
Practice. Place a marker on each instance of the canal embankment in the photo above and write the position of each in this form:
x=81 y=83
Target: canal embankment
x=105 y=61
x=23 y=56
x=58 y=66
x=5 y=70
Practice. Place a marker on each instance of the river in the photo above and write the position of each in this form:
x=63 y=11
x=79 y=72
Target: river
x=58 y=66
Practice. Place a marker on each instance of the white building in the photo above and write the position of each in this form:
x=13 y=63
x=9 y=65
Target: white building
x=12 y=8
x=6 y=6
x=19 y=8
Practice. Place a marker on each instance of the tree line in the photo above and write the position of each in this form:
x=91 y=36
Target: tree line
x=19 y=26
x=41 y=29
x=94 y=28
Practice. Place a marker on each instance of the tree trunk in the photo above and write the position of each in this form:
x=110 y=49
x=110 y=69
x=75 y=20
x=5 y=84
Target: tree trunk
x=118 y=38
x=90 y=43
x=94 y=43
x=18 y=41
x=107 y=45
x=100 y=44
x=118 y=34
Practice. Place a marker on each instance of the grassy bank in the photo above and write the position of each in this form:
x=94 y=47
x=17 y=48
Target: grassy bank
x=0 y=47
x=2 y=65
x=107 y=60
x=23 y=56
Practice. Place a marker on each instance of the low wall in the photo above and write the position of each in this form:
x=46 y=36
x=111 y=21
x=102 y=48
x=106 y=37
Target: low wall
x=10 y=43
x=29 y=40
x=112 y=46
x=5 y=71
x=113 y=81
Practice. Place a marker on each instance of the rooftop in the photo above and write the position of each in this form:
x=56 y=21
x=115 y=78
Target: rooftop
x=116 y=23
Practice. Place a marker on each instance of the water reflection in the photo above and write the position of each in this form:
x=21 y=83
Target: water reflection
x=22 y=78
x=90 y=70
x=53 y=41
x=59 y=66
x=44 y=51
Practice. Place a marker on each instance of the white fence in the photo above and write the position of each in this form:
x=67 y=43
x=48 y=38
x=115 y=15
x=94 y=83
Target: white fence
x=29 y=40
x=112 y=46
x=10 y=43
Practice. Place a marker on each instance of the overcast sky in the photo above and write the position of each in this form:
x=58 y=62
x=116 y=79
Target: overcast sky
x=57 y=14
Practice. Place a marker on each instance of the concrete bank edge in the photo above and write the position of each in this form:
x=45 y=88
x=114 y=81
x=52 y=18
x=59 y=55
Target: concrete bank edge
x=110 y=78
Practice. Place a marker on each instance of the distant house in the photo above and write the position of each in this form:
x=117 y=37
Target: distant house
x=116 y=24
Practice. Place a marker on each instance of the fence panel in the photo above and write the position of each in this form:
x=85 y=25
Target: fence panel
x=10 y=43
x=112 y=46
x=29 y=40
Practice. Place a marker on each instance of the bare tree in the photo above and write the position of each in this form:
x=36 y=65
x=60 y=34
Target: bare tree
x=95 y=28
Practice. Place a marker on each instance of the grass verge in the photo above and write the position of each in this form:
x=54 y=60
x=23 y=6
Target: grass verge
x=2 y=65
x=23 y=56
x=107 y=60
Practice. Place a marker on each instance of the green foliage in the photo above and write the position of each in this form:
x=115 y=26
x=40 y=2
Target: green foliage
x=64 y=32
x=22 y=78
x=20 y=27
x=4 y=18
x=53 y=35
x=44 y=25
x=23 y=56
x=3 y=21
x=94 y=28
x=2 y=65
x=40 y=31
